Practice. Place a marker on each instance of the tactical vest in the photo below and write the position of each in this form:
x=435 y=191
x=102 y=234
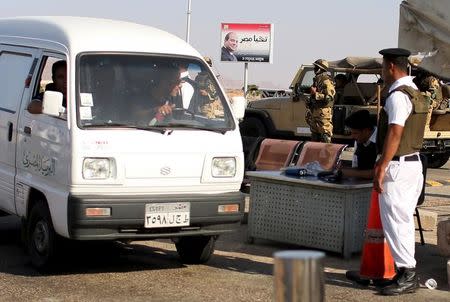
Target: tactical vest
x=319 y=83
x=412 y=136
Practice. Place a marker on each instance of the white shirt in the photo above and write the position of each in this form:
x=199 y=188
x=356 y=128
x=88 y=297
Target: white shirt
x=398 y=106
x=372 y=139
x=187 y=91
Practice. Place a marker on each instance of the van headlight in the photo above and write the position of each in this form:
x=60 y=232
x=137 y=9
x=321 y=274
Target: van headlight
x=98 y=168
x=223 y=167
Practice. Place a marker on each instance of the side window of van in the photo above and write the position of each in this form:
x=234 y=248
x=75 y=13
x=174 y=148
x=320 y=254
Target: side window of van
x=14 y=69
x=52 y=77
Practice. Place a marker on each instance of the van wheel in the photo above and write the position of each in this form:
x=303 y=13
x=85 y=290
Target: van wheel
x=41 y=237
x=195 y=250
x=252 y=126
x=437 y=160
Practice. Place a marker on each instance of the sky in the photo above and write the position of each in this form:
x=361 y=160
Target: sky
x=304 y=30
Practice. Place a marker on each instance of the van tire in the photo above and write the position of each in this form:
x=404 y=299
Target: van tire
x=253 y=126
x=196 y=249
x=41 y=238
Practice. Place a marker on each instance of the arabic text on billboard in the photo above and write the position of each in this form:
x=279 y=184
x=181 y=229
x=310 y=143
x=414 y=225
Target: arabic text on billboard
x=246 y=42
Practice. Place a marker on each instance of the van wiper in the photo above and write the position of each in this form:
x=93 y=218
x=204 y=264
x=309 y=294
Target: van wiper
x=198 y=127
x=159 y=129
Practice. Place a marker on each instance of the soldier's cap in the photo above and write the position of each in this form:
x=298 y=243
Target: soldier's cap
x=322 y=64
x=395 y=52
x=360 y=119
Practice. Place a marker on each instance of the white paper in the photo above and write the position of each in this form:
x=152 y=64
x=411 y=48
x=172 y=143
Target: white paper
x=86 y=99
x=85 y=113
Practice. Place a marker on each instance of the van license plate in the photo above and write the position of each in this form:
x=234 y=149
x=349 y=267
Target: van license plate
x=174 y=214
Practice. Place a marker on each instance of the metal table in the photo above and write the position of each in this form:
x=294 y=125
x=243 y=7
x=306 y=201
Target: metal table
x=308 y=211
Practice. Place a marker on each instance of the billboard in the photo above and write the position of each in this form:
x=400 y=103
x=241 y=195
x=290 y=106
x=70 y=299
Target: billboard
x=246 y=42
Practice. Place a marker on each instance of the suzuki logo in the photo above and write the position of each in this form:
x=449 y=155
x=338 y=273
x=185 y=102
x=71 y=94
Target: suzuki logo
x=165 y=171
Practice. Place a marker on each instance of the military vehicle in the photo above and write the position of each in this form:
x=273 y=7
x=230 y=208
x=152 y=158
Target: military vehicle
x=284 y=117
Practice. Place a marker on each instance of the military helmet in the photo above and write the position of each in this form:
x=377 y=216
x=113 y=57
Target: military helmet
x=322 y=64
x=208 y=60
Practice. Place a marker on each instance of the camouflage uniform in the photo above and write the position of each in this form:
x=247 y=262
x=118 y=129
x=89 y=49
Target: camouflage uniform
x=431 y=90
x=319 y=108
x=207 y=94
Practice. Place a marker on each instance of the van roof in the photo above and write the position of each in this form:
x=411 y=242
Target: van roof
x=80 y=34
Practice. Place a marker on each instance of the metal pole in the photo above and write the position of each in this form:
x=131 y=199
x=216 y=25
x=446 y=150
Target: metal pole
x=245 y=78
x=378 y=101
x=299 y=276
x=188 y=26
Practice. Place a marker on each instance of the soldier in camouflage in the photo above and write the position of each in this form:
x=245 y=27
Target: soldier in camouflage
x=319 y=106
x=431 y=90
x=207 y=92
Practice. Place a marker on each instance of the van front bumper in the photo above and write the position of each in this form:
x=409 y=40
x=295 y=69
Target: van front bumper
x=128 y=214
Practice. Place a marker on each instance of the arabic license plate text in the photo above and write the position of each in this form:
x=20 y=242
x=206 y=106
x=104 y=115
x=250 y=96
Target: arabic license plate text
x=174 y=214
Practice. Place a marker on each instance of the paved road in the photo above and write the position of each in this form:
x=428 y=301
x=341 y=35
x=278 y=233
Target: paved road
x=441 y=175
x=150 y=271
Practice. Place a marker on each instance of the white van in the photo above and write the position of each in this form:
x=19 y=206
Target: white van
x=119 y=152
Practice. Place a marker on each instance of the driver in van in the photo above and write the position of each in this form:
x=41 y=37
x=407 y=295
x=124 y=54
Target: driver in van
x=59 y=78
x=164 y=96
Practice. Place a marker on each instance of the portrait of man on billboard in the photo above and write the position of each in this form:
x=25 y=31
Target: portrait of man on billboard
x=230 y=45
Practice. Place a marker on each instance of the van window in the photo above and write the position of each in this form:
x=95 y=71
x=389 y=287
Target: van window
x=141 y=91
x=49 y=81
x=14 y=70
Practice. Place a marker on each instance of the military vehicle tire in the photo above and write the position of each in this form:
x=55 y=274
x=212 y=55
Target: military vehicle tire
x=436 y=161
x=195 y=249
x=252 y=126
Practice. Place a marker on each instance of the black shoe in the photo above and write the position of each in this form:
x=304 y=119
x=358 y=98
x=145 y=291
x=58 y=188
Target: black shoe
x=354 y=276
x=405 y=282
x=381 y=283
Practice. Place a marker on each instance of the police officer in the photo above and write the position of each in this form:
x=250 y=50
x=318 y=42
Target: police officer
x=319 y=107
x=430 y=88
x=398 y=172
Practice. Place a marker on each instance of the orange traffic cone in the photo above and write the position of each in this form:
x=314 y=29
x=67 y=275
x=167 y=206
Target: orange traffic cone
x=376 y=261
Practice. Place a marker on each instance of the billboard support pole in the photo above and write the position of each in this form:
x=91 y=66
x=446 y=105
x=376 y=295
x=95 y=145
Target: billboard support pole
x=188 y=25
x=245 y=78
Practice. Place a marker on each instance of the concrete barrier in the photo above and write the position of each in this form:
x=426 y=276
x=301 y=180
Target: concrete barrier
x=443 y=238
x=428 y=220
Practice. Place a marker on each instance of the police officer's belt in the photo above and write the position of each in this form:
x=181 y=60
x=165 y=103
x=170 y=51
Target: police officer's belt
x=407 y=158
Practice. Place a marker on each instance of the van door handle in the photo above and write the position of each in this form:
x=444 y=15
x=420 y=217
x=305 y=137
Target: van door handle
x=27 y=130
x=10 y=131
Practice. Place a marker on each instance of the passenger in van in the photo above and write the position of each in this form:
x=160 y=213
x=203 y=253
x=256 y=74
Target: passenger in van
x=340 y=81
x=59 y=78
x=187 y=88
x=363 y=131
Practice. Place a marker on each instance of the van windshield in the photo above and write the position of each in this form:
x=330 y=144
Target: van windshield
x=137 y=91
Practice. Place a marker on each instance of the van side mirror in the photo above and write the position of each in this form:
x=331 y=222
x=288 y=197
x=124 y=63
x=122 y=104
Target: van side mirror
x=238 y=105
x=52 y=103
